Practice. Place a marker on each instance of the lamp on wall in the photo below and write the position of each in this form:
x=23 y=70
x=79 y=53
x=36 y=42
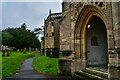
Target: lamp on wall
x=88 y=26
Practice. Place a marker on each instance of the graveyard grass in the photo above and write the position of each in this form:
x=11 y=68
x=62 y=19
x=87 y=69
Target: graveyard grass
x=46 y=65
x=11 y=64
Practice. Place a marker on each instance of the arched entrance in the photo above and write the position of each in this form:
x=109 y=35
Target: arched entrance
x=97 y=46
x=90 y=35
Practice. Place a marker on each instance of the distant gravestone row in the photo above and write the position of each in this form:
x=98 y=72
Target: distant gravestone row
x=6 y=51
x=29 y=49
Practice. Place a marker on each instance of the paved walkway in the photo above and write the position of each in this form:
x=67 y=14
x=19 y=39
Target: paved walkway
x=27 y=72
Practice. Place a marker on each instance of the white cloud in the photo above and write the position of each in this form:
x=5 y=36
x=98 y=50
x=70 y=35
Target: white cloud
x=31 y=0
x=33 y=14
x=59 y=0
x=0 y=16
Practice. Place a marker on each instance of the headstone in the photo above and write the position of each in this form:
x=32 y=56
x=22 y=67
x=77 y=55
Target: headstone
x=29 y=48
x=36 y=49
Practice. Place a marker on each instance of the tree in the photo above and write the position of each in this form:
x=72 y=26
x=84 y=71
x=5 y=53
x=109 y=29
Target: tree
x=20 y=37
x=38 y=31
x=23 y=26
x=6 y=38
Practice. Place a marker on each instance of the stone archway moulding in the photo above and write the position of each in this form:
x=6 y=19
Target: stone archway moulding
x=83 y=20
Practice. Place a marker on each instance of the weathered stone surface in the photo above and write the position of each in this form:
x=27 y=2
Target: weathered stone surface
x=67 y=32
x=51 y=34
x=73 y=28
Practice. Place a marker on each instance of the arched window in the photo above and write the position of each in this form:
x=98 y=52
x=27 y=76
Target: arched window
x=94 y=41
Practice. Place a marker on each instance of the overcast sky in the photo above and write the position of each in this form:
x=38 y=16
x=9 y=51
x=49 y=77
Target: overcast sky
x=32 y=13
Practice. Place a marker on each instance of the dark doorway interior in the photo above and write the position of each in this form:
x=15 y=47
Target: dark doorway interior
x=97 y=46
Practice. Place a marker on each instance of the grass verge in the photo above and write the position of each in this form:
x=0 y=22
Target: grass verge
x=11 y=64
x=0 y=64
x=46 y=65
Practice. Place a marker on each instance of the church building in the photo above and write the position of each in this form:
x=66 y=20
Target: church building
x=89 y=39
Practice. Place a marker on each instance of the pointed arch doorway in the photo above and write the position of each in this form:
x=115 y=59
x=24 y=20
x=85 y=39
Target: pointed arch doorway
x=91 y=44
x=96 y=43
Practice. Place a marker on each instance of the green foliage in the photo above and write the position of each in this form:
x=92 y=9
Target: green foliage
x=20 y=38
x=6 y=38
x=38 y=31
x=0 y=37
x=46 y=65
x=12 y=64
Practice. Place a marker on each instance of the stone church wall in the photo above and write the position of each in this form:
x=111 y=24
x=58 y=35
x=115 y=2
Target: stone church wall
x=111 y=15
x=70 y=15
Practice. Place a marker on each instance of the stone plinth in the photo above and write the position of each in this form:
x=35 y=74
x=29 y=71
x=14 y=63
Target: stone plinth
x=114 y=65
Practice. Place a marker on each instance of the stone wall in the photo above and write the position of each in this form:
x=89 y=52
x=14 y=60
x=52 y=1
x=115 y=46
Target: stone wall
x=52 y=24
x=70 y=14
x=56 y=33
x=114 y=54
x=65 y=28
x=70 y=31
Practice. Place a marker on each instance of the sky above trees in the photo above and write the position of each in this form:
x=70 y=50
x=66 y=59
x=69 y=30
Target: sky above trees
x=32 y=13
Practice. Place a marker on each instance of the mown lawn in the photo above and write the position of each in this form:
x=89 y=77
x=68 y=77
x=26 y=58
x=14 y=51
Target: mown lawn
x=46 y=65
x=0 y=64
x=11 y=64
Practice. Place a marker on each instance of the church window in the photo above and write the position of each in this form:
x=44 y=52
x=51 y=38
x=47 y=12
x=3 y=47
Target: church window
x=94 y=41
x=52 y=23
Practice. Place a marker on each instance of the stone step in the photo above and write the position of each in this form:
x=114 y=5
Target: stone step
x=102 y=74
x=88 y=74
